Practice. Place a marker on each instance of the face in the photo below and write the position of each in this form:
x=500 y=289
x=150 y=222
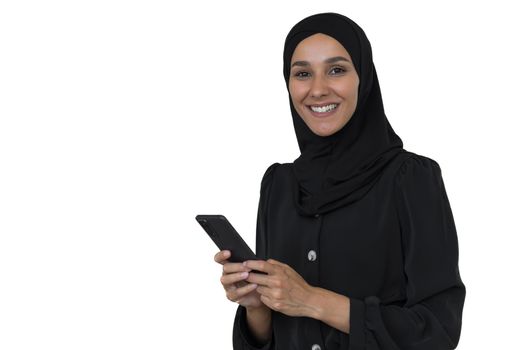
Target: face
x=323 y=84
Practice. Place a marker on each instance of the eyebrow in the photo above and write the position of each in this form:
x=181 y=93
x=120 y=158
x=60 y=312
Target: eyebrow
x=328 y=60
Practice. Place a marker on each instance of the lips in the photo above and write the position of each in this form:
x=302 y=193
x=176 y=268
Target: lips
x=323 y=110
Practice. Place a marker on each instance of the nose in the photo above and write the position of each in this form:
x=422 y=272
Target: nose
x=319 y=87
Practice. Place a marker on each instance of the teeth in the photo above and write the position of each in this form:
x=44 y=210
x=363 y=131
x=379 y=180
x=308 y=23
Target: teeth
x=324 y=109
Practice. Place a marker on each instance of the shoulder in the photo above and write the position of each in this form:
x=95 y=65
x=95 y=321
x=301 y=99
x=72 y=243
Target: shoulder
x=270 y=171
x=269 y=174
x=417 y=167
x=276 y=168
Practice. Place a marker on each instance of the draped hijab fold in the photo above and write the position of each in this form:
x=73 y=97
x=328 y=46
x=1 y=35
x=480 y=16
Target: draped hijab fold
x=341 y=168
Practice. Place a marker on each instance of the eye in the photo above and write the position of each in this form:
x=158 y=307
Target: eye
x=301 y=74
x=337 y=70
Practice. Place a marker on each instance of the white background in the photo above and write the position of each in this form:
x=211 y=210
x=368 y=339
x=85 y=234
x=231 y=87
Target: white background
x=122 y=120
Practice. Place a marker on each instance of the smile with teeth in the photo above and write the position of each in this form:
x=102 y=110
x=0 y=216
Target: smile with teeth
x=324 y=109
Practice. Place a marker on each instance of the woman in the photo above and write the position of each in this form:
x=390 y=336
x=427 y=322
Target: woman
x=357 y=234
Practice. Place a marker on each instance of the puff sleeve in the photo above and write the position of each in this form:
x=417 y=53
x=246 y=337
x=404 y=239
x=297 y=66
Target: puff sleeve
x=430 y=317
x=242 y=338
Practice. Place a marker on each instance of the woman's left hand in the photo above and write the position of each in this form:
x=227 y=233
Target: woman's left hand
x=282 y=289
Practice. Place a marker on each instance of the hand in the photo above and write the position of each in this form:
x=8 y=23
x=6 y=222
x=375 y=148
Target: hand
x=233 y=280
x=282 y=289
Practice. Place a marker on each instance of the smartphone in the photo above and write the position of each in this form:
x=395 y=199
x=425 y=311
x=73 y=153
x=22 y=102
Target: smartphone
x=226 y=237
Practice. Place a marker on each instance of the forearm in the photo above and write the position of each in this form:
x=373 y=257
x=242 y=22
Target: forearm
x=331 y=308
x=260 y=323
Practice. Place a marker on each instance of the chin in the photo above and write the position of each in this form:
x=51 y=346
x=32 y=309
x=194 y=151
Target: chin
x=324 y=132
x=323 y=128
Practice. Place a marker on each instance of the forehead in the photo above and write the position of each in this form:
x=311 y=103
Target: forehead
x=318 y=47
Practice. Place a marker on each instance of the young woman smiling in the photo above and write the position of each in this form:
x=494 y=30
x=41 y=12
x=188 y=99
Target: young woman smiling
x=357 y=234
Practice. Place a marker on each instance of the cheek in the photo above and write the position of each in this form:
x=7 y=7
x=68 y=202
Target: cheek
x=297 y=92
x=349 y=91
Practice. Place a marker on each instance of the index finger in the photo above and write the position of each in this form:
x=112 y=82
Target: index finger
x=222 y=256
x=259 y=265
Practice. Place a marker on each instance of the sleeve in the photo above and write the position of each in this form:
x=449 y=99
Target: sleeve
x=430 y=318
x=242 y=338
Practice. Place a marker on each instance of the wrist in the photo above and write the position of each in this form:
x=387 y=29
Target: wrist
x=315 y=303
x=258 y=309
x=259 y=323
x=329 y=307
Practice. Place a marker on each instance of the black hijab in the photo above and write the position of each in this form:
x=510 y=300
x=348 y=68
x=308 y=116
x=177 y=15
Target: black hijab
x=341 y=168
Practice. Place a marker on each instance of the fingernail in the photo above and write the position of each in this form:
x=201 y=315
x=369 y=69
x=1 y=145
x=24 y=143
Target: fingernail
x=244 y=274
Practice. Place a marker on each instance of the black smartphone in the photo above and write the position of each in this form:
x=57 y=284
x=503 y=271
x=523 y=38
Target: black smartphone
x=226 y=237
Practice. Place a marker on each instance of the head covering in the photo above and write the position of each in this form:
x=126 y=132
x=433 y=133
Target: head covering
x=341 y=168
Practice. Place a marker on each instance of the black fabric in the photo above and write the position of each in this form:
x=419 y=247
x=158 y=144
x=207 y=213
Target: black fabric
x=339 y=169
x=394 y=253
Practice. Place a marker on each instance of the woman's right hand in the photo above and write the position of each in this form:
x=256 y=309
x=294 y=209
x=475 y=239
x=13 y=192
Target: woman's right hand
x=233 y=280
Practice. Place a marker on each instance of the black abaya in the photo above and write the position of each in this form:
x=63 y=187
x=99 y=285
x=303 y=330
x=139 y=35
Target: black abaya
x=394 y=253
